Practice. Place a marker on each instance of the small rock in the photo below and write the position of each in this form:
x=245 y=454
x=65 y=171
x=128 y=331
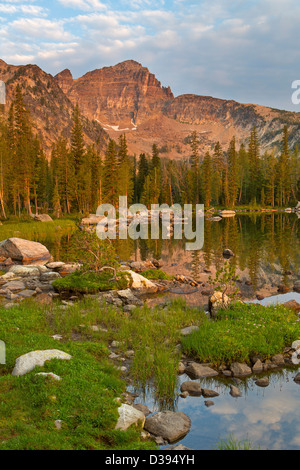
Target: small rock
x=49 y=375
x=292 y=305
x=209 y=393
x=264 y=382
x=296 y=345
x=58 y=424
x=240 y=369
x=235 y=391
x=50 y=276
x=258 y=367
x=57 y=337
x=228 y=253
x=24 y=271
x=282 y=289
x=177 y=448
x=189 y=330
x=55 y=265
x=128 y=416
x=297 y=378
x=14 y=286
x=27 y=293
x=278 y=359
x=43 y=218
x=197 y=371
x=143 y=408
x=209 y=403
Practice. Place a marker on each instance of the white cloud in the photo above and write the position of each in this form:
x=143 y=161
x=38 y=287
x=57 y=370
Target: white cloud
x=41 y=28
x=231 y=49
x=86 y=5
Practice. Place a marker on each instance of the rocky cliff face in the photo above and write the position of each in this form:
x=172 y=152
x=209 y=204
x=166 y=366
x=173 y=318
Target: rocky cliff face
x=124 y=95
x=50 y=108
x=128 y=98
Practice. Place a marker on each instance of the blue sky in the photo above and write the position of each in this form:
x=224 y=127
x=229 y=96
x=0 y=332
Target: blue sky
x=246 y=50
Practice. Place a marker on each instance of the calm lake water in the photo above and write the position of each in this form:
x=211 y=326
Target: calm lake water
x=266 y=247
x=267 y=417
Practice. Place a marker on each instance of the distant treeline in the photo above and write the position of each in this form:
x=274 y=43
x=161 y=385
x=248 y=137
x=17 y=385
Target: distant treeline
x=78 y=178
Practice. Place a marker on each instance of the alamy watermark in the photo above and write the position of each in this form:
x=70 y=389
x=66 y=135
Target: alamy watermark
x=2 y=93
x=161 y=221
x=296 y=94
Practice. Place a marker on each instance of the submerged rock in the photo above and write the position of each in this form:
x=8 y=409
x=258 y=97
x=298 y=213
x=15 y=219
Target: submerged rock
x=235 y=391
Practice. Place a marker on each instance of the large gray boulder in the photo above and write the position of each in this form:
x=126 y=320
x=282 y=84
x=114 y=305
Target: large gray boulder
x=29 y=361
x=169 y=425
x=24 y=251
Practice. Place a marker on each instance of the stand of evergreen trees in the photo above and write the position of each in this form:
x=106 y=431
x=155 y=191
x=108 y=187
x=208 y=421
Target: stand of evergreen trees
x=78 y=178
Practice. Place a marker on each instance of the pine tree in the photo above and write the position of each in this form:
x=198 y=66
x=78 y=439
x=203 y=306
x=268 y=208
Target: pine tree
x=143 y=171
x=218 y=170
x=232 y=173
x=111 y=175
x=125 y=170
x=254 y=166
x=207 y=179
x=284 y=171
x=195 y=164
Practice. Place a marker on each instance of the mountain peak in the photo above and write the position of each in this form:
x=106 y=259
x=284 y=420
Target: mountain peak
x=64 y=80
x=66 y=73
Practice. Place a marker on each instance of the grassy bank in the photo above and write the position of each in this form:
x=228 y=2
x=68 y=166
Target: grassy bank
x=85 y=399
x=243 y=331
x=31 y=230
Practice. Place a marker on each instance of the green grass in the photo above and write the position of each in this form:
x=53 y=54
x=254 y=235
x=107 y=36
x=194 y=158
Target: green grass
x=242 y=331
x=91 y=283
x=30 y=229
x=85 y=399
x=231 y=443
x=156 y=275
